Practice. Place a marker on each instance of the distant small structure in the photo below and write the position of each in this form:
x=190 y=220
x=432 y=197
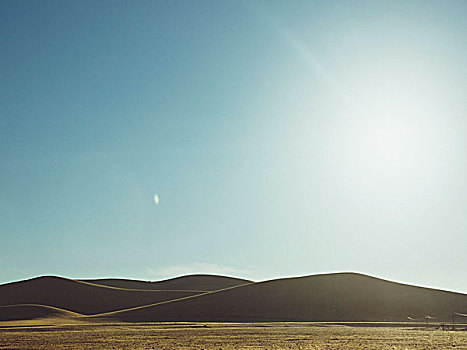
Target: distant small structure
x=454 y=315
x=427 y=319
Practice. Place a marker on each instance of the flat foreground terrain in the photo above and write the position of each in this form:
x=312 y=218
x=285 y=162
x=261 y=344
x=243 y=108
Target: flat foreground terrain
x=14 y=335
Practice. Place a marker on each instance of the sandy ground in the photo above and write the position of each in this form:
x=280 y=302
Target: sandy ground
x=51 y=335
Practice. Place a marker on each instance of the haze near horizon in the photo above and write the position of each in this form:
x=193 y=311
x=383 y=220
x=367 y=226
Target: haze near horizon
x=254 y=139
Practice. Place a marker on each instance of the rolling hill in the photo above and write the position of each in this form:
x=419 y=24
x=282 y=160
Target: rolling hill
x=337 y=297
x=81 y=297
x=330 y=297
x=32 y=311
x=189 y=282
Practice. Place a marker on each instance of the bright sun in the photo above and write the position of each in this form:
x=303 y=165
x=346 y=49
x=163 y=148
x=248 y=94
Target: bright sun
x=387 y=150
x=387 y=147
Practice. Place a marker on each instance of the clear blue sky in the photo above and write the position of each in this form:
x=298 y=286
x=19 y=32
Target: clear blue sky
x=283 y=138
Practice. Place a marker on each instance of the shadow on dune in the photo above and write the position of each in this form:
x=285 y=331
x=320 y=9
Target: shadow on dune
x=339 y=297
x=31 y=311
x=190 y=282
x=331 y=297
x=80 y=297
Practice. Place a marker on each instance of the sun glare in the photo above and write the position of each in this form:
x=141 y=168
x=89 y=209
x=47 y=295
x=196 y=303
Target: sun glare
x=387 y=150
x=387 y=147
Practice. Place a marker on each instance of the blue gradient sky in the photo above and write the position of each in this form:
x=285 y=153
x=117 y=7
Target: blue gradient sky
x=283 y=138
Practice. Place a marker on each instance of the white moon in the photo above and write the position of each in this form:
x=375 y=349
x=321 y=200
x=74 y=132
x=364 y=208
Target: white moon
x=156 y=199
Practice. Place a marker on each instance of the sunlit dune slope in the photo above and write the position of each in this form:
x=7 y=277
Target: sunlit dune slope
x=331 y=297
x=189 y=282
x=81 y=297
x=31 y=311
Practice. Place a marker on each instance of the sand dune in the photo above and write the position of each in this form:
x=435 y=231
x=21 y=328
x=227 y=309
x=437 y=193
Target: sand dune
x=81 y=297
x=32 y=311
x=189 y=282
x=335 y=297
x=330 y=297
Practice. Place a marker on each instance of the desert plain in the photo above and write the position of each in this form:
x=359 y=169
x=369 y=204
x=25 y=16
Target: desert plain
x=66 y=334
